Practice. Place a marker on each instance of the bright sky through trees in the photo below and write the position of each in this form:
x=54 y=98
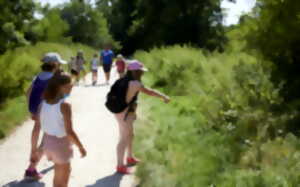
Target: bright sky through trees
x=233 y=10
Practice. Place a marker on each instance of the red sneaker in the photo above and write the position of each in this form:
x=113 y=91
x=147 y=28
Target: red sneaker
x=132 y=161
x=32 y=174
x=123 y=170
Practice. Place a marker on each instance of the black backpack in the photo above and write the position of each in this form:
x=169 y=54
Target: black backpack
x=116 y=97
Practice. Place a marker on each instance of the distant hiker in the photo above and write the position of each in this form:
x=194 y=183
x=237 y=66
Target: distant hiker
x=121 y=65
x=106 y=58
x=50 y=66
x=122 y=100
x=94 y=68
x=73 y=68
x=55 y=120
x=80 y=61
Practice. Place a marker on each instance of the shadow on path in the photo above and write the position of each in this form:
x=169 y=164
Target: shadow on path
x=25 y=183
x=108 y=181
x=45 y=171
x=28 y=183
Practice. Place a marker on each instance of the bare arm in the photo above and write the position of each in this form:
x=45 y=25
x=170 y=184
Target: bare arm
x=67 y=114
x=35 y=134
x=154 y=93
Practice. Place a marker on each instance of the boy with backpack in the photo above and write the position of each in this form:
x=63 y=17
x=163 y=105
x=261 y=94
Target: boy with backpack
x=50 y=67
x=122 y=101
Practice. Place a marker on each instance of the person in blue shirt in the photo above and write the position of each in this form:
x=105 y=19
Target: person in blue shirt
x=50 y=67
x=106 y=58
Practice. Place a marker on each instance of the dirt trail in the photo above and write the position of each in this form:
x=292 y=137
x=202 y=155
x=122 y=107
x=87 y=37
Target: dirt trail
x=96 y=128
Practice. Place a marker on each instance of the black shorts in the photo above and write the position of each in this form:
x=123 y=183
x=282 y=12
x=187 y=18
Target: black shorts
x=74 y=72
x=94 y=70
x=106 y=68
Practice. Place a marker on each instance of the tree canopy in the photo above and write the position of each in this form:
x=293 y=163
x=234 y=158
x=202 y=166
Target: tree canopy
x=148 y=23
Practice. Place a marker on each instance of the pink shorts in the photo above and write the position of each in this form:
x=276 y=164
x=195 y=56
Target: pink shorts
x=57 y=150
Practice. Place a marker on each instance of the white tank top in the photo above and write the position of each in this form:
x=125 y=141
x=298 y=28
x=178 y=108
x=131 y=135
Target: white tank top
x=52 y=121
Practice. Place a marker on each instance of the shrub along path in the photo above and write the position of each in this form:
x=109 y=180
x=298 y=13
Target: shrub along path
x=98 y=131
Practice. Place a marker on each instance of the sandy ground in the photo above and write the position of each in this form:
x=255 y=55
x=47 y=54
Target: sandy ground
x=96 y=128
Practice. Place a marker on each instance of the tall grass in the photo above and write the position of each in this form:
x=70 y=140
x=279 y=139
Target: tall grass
x=18 y=68
x=224 y=126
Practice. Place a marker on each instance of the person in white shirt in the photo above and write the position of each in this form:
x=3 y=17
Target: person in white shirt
x=94 y=69
x=55 y=120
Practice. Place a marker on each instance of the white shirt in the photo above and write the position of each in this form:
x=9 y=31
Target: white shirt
x=52 y=121
x=94 y=64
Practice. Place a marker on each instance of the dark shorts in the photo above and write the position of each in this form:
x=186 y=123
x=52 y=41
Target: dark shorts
x=94 y=70
x=74 y=72
x=106 y=68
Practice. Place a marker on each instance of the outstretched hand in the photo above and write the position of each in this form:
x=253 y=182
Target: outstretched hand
x=166 y=99
x=82 y=152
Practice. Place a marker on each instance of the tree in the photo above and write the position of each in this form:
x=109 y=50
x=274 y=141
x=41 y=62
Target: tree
x=87 y=25
x=14 y=17
x=148 y=23
x=50 y=28
x=273 y=29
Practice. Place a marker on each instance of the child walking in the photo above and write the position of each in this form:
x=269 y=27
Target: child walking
x=80 y=61
x=127 y=117
x=49 y=67
x=55 y=116
x=94 y=68
x=73 y=68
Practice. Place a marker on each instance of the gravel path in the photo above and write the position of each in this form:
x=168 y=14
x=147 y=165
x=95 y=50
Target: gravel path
x=97 y=130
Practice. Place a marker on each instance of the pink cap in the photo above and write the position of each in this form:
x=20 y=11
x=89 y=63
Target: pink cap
x=136 y=65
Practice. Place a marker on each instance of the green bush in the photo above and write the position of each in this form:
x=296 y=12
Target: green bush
x=12 y=113
x=18 y=68
x=224 y=126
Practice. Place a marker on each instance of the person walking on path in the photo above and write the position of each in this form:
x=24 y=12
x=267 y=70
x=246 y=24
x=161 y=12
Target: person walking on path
x=73 y=68
x=94 y=68
x=121 y=65
x=55 y=116
x=50 y=66
x=126 y=114
x=80 y=61
x=106 y=58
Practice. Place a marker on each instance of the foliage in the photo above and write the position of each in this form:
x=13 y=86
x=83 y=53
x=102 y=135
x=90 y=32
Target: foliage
x=145 y=24
x=272 y=29
x=50 y=28
x=224 y=126
x=12 y=113
x=87 y=25
x=14 y=17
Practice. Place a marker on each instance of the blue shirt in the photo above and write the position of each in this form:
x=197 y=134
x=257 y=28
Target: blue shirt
x=107 y=56
x=38 y=87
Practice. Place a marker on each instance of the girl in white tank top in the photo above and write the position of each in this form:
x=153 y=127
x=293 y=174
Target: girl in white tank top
x=52 y=120
x=56 y=123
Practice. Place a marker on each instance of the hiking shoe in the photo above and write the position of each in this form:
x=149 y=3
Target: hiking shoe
x=132 y=161
x=123 y=170
x=32 y=174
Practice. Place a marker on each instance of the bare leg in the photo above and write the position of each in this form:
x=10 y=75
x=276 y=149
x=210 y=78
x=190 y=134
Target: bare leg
x=35 y=133
x=61 y=175
x=130 y=137
x=107 y=77
x=125 y=137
